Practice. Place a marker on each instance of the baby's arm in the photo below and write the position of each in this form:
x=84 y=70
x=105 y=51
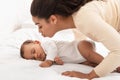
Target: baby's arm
x=58 y=60
x=51 y=51
x=46 y=63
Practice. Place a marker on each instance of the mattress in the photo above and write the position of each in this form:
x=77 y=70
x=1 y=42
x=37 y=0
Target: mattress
x=13 y=67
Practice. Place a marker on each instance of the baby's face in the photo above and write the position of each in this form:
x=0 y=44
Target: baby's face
x=34 y=51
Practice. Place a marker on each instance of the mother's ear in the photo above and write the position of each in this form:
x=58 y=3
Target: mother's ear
x=53 y=19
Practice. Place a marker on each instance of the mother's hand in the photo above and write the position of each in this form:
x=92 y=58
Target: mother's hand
x=75 y=74
x=80 y=74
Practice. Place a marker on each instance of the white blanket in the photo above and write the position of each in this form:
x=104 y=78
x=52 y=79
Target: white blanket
x=13 y=67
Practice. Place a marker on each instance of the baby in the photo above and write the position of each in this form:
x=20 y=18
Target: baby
x=51 y=51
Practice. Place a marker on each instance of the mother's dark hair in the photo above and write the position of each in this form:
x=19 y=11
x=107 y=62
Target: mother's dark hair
x=65 y=8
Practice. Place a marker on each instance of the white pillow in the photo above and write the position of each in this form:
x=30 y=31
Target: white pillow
x=15 y=39
x=30 y=32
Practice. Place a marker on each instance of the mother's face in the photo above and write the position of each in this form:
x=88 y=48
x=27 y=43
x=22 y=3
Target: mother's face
x=46 y=27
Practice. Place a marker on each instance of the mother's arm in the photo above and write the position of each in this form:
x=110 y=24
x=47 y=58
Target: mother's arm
x=110 y=38
x=97 y=29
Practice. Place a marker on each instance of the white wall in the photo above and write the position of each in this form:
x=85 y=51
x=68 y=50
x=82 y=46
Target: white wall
x=13 y=13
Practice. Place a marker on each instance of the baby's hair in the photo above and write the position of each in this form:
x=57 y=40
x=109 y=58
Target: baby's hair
x=22 y=47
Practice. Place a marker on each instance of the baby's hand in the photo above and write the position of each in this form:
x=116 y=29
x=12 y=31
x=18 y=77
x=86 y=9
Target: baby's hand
x=58 y=60
x=46 y=63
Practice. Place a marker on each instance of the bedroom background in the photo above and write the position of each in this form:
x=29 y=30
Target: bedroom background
x=16 y=26
x=13 y=14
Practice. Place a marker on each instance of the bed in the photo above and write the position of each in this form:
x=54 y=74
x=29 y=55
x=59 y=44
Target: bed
x=13 y=67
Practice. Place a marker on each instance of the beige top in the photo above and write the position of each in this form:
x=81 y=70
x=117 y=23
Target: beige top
x=100 y=21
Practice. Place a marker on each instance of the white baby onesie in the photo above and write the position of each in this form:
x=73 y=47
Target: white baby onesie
x=67 y=51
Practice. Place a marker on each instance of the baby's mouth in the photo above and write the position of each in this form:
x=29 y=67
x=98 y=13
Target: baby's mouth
x=40 y=57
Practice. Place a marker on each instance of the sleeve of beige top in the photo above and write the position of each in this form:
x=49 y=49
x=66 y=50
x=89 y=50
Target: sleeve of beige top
x=106 y=34
x=92 y=25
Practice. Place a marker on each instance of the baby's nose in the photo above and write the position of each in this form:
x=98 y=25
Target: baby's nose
x=35 y=55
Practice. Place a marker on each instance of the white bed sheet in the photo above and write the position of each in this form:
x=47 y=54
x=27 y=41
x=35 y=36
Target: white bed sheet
x=13 y=67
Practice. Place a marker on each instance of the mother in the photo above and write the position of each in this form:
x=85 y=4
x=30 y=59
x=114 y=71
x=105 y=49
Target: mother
x=99 y=20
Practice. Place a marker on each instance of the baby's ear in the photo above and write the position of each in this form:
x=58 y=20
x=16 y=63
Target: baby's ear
x=37 y=42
